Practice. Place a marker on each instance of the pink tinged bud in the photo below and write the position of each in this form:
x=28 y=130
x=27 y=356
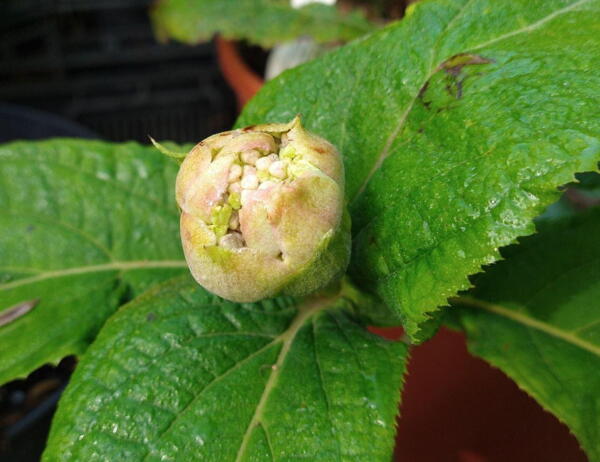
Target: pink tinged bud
x=262 y=212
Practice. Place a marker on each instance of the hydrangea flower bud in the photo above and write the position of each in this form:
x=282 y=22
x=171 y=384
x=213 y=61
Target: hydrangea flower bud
x=263 y=213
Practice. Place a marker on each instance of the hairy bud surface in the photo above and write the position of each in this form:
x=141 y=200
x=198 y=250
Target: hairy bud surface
x=262 y=212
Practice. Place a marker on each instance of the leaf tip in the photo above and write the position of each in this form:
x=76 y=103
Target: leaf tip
x=167 y=152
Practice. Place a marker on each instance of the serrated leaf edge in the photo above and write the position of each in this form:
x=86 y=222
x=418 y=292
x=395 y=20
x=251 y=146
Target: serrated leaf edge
x=474 y=303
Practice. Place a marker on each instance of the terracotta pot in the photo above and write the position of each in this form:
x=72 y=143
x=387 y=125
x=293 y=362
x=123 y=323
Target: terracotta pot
x=242 y=79
x=455 y=407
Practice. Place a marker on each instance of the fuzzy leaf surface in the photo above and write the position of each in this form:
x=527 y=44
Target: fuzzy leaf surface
x=536 y=316
x=179 y=374
x=262 y=22
x=457 y=125
x=83 y=226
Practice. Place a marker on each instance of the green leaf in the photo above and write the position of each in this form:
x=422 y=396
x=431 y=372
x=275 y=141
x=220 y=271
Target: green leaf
x=456 y=124
x=179 y=374
x=84 y=225
x=536 y=316
x=263 y=22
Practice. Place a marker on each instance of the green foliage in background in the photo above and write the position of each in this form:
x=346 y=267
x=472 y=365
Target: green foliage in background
x=84 y=225
x=262 y=22
x=536 y=316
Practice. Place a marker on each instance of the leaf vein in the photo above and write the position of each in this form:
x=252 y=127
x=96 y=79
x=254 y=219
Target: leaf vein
x=533 y=26
x=217 y=379
x=325 y=394
x=305 y=312
x=113 y=266
x=433 y=68
x=529 y=322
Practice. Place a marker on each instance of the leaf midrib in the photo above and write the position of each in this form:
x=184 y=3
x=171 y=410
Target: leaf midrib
x=305 y=312
x=529 y=321
x=385 y=151
x=112 y=266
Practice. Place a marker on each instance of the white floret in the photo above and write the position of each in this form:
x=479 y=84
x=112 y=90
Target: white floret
x=267 y=184
x=256 y=172
x=249 y=178
x=232 y=241
x=235 y=188
x=278 y=169
x=245 y=197
x=250 y=157
x=263 y=163
x=235 y=172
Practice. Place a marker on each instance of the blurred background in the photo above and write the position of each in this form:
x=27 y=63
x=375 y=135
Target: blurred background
x=98 y=64
x=95 y=69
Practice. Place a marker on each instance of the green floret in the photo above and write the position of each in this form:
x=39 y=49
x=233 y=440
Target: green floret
x=234 y=201
x=220 y=216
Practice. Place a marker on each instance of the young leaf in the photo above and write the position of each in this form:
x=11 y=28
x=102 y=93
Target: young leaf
x=263 y=22
x=457 y=125
x=179 y=374
x=536 y=316
x=84 y=225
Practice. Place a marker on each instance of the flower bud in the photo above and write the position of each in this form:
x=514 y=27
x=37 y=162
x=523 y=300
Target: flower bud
x=262 y=212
